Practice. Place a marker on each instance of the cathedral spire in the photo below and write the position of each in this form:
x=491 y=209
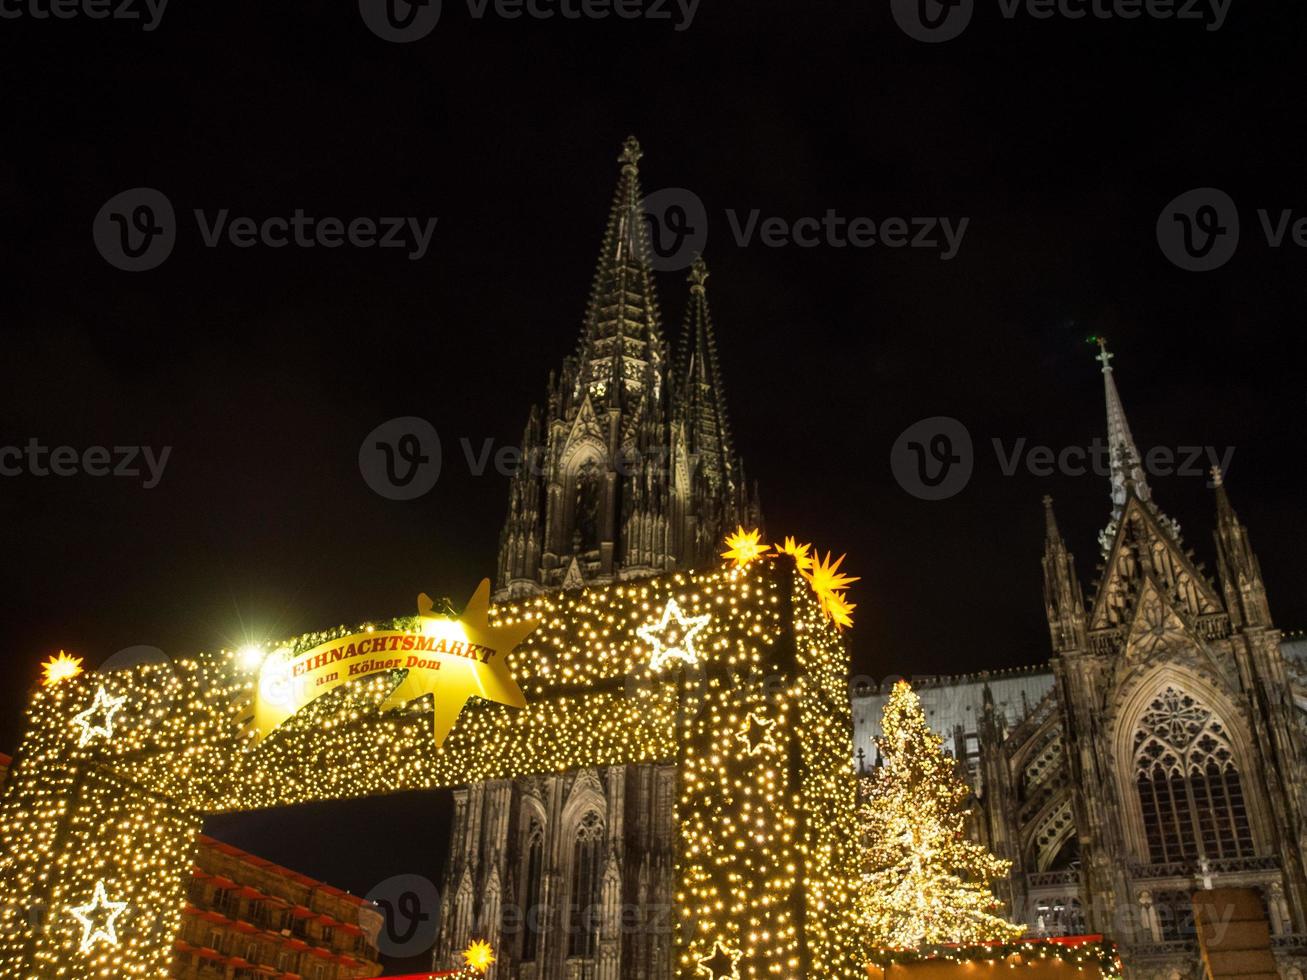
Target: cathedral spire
x=1126 y=464
x=700 y=394
x=1240 y=571
x=1064 y=602
x=620 y=354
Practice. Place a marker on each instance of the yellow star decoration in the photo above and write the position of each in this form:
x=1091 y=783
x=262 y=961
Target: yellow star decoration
x=757 y=734
x=721 y=965
x=460 y=678
x=744 y=546
x=799 y=552
x=673 y=640
x=60 y=668
x=830 y=584
x=94 y=931
x=480 y=956
x=102 y=703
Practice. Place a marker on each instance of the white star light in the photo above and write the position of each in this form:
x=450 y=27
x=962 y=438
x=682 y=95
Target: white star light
x=673 y=640
x=92 y=932
x=103 y=703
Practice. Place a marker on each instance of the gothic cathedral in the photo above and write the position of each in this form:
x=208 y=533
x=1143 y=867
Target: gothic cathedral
x=629 y=470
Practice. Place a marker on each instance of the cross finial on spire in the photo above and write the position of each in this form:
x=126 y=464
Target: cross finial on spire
x=1104 y=355
x=1218 y=478
x=630 y=155
x=698 y=274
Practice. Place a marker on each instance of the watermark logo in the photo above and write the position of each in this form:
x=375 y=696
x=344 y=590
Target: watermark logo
x=932 y=21
x=136 y=230
x=400 y=21
x=37 y=459
x=676 y=224
x=400 y=459
x=410 y=912
x=933 y=459
x=147 y=12
x=1199 y=230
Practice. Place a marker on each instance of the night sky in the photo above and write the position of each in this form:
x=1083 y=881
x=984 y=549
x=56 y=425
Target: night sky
x=263 y=369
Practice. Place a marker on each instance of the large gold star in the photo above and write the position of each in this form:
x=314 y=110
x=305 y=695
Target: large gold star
x=672 y=638
x=721 y=965
x=97 y=926
x=483 y=674
x=102 y=703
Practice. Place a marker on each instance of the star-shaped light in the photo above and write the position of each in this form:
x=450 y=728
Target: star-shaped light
x=744 y=546
x=721 y=965
x=97 y=919
x=479 y=955
x=102 y=703
x=756 y=734
x=60 y=668
x=459 y=677
x=799 y=552
x=672 y=638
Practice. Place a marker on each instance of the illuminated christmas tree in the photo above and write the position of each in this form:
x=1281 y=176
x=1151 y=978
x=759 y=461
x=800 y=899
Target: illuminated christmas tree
x=924 y=881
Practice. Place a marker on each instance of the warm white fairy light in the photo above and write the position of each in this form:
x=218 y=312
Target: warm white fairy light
x=97 y=918
x=764 y=845
x=105 y=707
x=673 y=636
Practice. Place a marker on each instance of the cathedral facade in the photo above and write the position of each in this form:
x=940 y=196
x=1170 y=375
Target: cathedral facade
x=629 y=471
x=1158 y=751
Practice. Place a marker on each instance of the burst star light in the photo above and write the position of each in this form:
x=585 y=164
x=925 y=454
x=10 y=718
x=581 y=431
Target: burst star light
x=60 y=668
x=102 y=703
x=480 y=956
x=673 y=636
x=744 y=546
x=97 y=919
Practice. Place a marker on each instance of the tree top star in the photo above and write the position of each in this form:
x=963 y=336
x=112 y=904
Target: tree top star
x=102 y=703
x=721 y=965
x=90 y=914
x=672 y=638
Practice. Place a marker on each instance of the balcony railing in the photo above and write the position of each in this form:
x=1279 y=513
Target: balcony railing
x=1217 y=866
x=1175 y=947
x=1052 y=879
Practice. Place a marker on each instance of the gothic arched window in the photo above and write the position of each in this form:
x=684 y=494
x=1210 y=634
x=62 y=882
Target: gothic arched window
x=589 y=484
x=587 y=878
x=1188 y=780
x=533 y=872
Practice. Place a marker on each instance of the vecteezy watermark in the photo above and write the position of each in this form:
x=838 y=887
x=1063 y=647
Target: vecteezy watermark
x=137 y=229
x=675 y=222
x=933 y=459
x=37 y=459
x=934 y=21
x=409 y=907
x=405 y=21
x=147 y=12
x=1199 y=230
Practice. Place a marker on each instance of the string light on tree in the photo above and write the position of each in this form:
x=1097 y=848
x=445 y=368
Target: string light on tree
x=105 y=705
x=97 y=918
x=924 y=882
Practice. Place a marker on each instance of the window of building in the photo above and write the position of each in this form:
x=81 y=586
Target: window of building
x=533 y=868
x=1188 y=782
x=587 y=876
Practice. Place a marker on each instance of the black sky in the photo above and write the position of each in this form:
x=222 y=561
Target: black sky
x=263 y=369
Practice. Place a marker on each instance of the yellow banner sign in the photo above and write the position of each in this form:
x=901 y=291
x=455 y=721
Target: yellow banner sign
x=450 y=658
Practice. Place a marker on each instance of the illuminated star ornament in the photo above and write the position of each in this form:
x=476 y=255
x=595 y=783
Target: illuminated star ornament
x=672 y=638
x=103 y=704
x=97 y=919
x=721 y=965
x=799 y=552
x=460 y=678
x=744 y=546
x=60 y=668
x=480 y=956
x=756 y=734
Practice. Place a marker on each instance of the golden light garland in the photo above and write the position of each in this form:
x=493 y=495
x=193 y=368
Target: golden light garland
x=764 y=822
